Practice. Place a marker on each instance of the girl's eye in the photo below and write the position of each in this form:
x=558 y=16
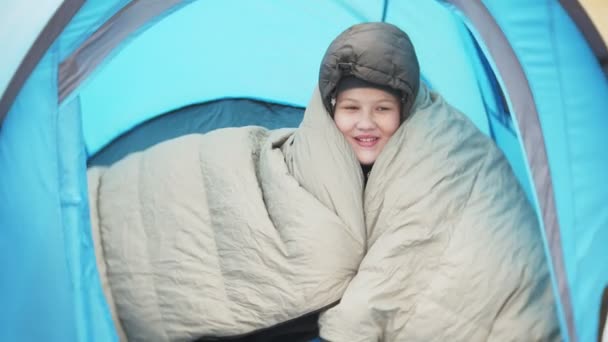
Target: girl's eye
x=384 y=109
x=351 y=108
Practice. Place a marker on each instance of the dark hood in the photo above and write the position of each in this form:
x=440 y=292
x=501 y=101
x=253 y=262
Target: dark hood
x=380 y=53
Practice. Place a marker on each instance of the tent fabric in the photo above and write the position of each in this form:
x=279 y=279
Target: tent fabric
x=18 y=66
x=92 y=15
x=573 y=138
x=113 y=32
x=16 y=49
x=163 y=42
x=522 y=101
x=45 y=245
x=143 y=82
x=589 y=15
x=199 y=118
x=502 y=128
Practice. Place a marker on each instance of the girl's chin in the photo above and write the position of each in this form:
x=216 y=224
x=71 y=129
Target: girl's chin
x=366 y=160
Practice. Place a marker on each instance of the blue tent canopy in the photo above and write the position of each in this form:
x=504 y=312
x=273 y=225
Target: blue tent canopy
x=76 y=76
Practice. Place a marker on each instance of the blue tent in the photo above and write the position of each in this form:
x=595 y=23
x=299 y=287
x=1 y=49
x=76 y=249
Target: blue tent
x=76 y=76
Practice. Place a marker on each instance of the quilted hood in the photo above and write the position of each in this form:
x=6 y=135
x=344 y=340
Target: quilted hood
x=380 y=53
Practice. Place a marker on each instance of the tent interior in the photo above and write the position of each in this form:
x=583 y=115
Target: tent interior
x=121 y=76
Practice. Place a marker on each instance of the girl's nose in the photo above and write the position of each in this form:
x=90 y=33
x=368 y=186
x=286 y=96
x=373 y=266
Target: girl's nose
x=366 y=121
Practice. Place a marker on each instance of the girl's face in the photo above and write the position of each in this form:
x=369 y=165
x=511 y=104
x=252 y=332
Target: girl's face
x=367 y=117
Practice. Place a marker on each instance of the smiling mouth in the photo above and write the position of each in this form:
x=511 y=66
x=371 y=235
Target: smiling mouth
x=366 y=141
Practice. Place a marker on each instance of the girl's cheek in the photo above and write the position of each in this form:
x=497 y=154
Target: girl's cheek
x=342 y=122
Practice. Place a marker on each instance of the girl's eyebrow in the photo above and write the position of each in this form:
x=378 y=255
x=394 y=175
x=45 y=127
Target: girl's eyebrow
x=387 y=100
x=349 y=99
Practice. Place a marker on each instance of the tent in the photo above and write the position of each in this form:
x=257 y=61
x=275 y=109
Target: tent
x=76 y=76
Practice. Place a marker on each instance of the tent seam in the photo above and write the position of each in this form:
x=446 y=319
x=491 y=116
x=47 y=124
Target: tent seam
x=557 y=64
x=570 y=284
x=94 y=27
